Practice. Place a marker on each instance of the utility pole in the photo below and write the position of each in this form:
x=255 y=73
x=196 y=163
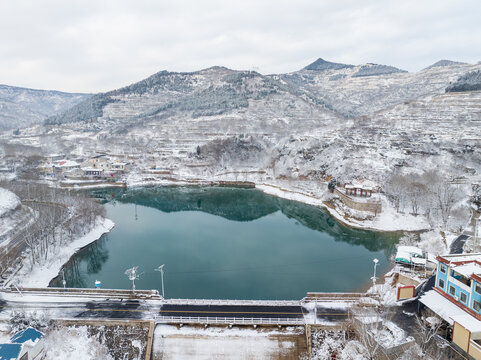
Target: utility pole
x=161 y=269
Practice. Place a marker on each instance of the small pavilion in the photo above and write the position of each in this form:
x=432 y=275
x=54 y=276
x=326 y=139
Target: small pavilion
x=358 y=190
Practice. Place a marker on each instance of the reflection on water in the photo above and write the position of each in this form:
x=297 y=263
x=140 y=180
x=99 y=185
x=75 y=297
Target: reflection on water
x=226 y=243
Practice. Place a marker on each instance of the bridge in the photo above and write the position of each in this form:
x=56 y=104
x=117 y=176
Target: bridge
x=316 y=308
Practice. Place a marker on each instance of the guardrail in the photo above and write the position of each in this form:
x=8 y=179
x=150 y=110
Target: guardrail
x=231 y=302
x=228 y=320
x=335 y=295
x=57 y=291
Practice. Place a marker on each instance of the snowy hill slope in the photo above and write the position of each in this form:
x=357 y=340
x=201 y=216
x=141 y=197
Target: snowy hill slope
x=445 y=62
x=365 y=89
x=21 y=107
x=224 y=124
x=321 y=65
x=8 y=201
x=232 y=102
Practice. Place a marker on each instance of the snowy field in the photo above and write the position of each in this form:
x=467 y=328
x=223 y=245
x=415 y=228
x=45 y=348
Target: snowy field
x=171 y=342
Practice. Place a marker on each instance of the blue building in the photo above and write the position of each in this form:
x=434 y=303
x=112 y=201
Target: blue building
x=456 y=298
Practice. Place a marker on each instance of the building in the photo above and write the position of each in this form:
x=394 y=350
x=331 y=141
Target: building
x=24 y=345
x=99 y=162
x=118 y=167
x=89 y=171
x=358 y=190
x=456 y=298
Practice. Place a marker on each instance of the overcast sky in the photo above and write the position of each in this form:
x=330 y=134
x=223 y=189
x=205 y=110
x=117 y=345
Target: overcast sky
x=99 y=45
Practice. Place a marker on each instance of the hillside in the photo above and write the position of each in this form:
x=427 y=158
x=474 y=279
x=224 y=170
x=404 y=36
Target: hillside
x=214 y=94
x=365 y=89
x=323 y=120
x=467 y=82
x=21 y=107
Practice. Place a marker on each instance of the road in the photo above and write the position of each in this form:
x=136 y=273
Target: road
x=150 y=309
x=457 y=245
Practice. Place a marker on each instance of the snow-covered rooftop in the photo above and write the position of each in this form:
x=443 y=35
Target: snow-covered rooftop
x=67 y=163
x=442 y=306
x=462 y=257
x=10 y=351
x=91 y=169
x=470 y=323
x=28 y=334
x=468 y=269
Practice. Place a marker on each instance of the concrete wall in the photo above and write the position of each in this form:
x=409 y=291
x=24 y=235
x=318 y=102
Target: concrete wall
x=365 y=205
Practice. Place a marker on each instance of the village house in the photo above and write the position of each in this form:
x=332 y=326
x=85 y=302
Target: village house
x=456 y=298
x=26 y=344
x=99 y=162
x=360 y=196
x=56 y=167
x=118 y=167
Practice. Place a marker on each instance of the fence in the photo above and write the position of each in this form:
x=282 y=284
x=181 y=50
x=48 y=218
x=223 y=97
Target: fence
x=228 y=320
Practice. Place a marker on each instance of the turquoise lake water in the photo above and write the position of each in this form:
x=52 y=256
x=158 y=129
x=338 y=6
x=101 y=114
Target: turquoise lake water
x=222 y=243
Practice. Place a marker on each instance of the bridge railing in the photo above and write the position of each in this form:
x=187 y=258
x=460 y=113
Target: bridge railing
x=228 y=320
x=85 y=292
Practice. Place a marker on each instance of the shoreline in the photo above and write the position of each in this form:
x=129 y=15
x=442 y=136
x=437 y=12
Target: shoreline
x=42 y=275
x=361 y=224
x=388 y=220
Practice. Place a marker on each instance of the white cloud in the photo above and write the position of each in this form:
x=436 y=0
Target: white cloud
x=99 y=45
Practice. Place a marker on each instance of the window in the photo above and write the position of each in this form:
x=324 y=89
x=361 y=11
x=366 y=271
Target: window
x=442 y=268
x=463 y=297
x=441 y=283
x=477 y=288
x=452 y=290
x=476 y=305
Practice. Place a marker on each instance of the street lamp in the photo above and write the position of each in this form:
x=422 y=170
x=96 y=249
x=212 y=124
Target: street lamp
x=161 y=269
x=375 y=261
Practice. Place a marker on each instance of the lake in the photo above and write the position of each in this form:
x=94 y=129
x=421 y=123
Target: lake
x=219 y=242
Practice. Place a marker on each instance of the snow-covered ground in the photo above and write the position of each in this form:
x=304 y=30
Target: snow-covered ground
x=40 y=275
x=74 y=343
x=171 y=342
x=8 y=201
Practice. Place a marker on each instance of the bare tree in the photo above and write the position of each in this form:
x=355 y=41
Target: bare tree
x=426 y=332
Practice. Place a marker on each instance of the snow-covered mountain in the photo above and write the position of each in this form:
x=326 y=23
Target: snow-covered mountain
x=21 y=107
x=348 y=121
x=362 y=90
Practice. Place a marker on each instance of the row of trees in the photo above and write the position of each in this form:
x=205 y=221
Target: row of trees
x=60 y=217
x=428 y=193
